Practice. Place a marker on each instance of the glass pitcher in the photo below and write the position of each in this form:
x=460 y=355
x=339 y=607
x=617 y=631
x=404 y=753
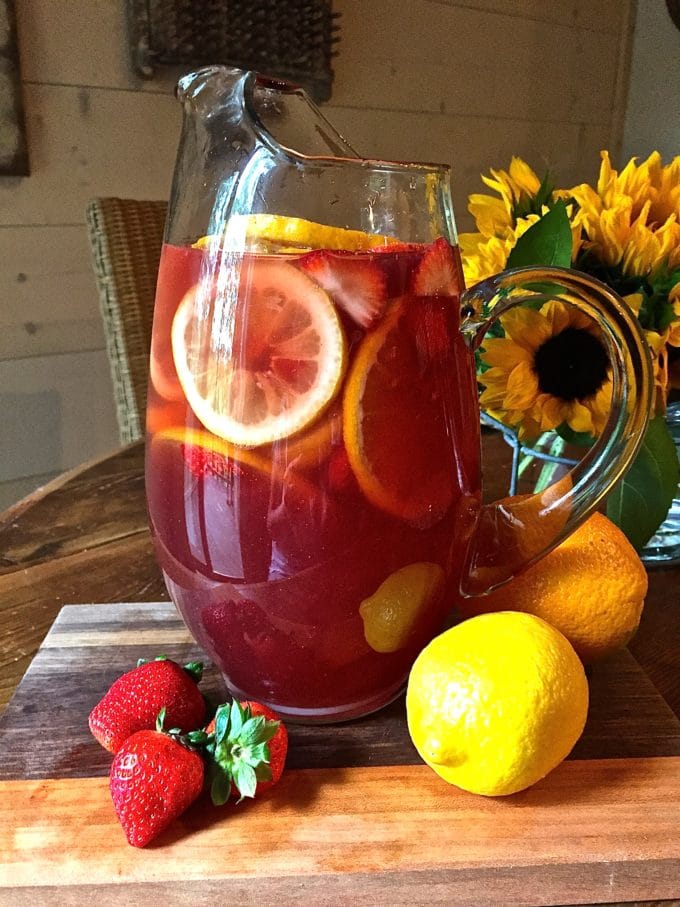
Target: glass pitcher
x=313 y=444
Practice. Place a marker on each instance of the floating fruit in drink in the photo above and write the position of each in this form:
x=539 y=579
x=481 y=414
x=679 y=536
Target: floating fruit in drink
x=393 y=610
x=272 y=233
x=308 y=508
x=272 y=369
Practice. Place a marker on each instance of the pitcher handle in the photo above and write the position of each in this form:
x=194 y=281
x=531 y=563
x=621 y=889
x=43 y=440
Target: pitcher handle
x=512 y=534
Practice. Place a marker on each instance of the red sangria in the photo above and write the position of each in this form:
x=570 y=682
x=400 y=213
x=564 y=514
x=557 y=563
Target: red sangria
x=312 y=461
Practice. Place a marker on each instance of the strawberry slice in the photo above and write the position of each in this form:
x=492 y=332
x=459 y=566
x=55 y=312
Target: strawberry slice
x=203 y=462
x=356 y=285
x=437 y=273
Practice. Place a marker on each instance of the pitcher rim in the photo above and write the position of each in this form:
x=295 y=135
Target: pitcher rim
x=252 y=76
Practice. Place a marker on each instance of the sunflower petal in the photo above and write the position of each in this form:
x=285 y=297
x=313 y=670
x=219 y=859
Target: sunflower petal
x=521 y=388
x=580 y=419
x=554 y=412
x=526 y=327
x=505 y=353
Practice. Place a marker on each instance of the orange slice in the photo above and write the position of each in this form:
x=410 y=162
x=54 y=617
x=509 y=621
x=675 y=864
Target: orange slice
x=259 y=460
x=394 y=424
x=260 y=352
x=279 y=233
x=310 y=447
x=194 y=437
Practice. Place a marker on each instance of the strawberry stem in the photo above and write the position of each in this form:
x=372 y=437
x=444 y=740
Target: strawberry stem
x=160 y=721
x=195 y=670
x=238 y=751
x=145 y=661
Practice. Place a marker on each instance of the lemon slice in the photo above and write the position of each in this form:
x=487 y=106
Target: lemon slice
x=259 y=357
x=274 y=232
x=392 y=612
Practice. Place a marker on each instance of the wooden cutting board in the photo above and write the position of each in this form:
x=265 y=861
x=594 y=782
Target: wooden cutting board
x=356 y=815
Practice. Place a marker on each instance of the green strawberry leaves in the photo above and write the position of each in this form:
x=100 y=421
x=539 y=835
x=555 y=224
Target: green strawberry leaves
x=239 y=752
x=220 y=785
x=193 y=668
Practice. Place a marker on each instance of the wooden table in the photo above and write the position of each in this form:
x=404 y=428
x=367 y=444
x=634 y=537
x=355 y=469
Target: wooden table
x=84 y=539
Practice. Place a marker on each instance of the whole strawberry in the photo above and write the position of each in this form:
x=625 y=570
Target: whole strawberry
x=133 y=702
x=246 y=746
x=154 y=778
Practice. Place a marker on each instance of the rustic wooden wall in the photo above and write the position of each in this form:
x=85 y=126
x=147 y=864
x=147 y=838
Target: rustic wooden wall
x=465 y=81
x=653 y=108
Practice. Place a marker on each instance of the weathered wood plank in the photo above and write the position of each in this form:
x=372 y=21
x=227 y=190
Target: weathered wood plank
x=567 y=884
x=31 y=599
x=453 y=58
x=89 y=646
x=595 y=15
x=80 y=43
x=472 y=145
x=48 y=292
x=325 y=823
x=87 y=142
x=15 y=489
x=53 y=36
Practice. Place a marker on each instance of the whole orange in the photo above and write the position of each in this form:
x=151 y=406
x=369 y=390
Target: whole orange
x=591 y=588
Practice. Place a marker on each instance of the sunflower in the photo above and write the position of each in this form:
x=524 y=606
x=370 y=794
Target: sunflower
x=630 y=221
x=550 y=369
x=501 y=221
x=626 y=232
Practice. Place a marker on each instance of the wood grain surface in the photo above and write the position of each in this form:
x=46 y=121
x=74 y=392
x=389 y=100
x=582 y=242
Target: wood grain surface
x=84 y=538
x=356 y=815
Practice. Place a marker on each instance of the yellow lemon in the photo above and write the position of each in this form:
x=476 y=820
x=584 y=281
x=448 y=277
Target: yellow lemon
x=278 y=233
x=391 y=613
x=496 y=702
x=591 y=588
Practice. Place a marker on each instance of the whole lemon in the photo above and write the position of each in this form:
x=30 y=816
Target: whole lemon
x=496 y=702
x=591 y=588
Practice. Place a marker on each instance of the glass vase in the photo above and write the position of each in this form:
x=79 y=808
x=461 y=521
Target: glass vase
x=663 y=549
x=534 y=468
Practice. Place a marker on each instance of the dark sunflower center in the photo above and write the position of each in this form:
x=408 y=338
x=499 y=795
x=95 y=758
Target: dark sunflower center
x=571 y=365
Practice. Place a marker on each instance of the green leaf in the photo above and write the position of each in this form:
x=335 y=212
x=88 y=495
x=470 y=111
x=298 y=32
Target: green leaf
x=238 y=716
x=221 y=723
x=258 y=753
x=258 y=730
x=665 y=315
x=269 y=731
x=160 y=720
x=245 y=779
x=195 y=670
x=578 y=438
x=263 y=772
x=251 y=731
x=220 y=788
x=547 y=242
x=640 y=501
